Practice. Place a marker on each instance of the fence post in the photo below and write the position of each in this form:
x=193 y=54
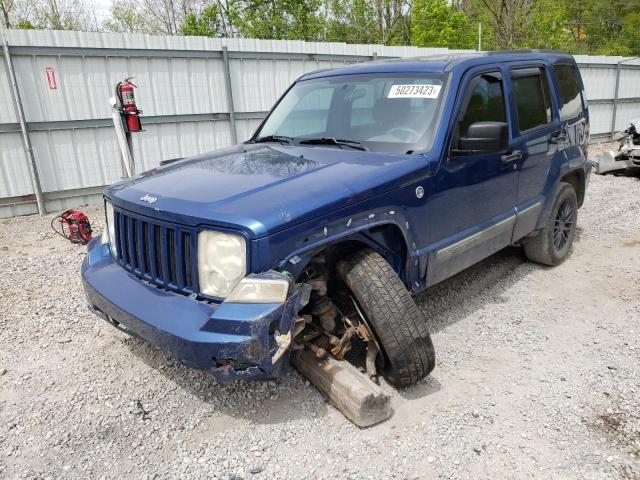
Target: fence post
x=616 y=96
x=232 y=112
x=615 y=101
x=26 y=141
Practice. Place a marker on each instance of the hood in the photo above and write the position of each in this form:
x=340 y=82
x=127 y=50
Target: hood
x=262 y=188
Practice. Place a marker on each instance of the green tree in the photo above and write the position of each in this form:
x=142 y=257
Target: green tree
x=630 y=35
x=207 y=23
x=19 y=14
x=25 y=25
x=51 y=14
x=437 y=23
x=277 y=19
x=608 y=27
x=352 y=22
x=127 y=16
x=64 y=15
x=386 y=22
x=547 y=27
x=605 y=22
x=576 y=12
x=513 y=24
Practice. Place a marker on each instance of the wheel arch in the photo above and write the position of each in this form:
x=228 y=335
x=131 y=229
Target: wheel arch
x=386 y=238
x=576 y=178
x=558 y=174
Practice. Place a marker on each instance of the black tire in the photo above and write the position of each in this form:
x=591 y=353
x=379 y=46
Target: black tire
x=396 y=321
x=553 y=242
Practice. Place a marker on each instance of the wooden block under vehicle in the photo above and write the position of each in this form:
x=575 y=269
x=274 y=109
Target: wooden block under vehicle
x=358 y=398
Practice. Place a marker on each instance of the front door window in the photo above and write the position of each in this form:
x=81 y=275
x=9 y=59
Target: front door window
x=484 y=102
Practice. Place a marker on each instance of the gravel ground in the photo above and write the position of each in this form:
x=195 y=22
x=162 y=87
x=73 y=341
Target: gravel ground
x=538 y=376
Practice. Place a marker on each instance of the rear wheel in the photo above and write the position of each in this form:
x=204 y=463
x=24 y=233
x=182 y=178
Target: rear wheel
x=553 y=242
x=391 y=313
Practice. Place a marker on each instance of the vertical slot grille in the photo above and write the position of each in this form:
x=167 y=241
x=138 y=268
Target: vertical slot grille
x=171 y=249
x=146 y=261
x=116 y=220
x=150 y=250
x=133 y=241
x=186 y=255
x=158 y=252
x=124 y=238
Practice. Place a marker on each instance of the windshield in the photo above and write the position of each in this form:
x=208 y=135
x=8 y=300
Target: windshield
x=394 y=113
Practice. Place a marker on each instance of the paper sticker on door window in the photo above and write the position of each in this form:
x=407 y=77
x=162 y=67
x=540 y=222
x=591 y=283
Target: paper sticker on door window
x=414 y=91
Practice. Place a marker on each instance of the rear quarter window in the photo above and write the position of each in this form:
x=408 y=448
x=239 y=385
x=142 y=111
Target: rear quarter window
x=533 y=102
x=568 y=91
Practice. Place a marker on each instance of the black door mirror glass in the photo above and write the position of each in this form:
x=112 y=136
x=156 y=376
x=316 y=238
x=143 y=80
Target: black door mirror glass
x=484 y=137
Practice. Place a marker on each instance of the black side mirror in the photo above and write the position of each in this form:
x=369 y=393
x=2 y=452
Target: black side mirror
x=484 y=137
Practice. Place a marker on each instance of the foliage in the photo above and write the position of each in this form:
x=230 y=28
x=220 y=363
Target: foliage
x=25 y=25
x=167 y=16
x=277 y=19
x=127 y=16
x=608 y=27
x=206 y=24
x=53 y=14
x=352 y=22
x=546 y=27
x=629 y=37
x=368 y=21
x=437 y=23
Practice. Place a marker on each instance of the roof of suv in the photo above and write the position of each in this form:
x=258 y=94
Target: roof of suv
x=439 y=63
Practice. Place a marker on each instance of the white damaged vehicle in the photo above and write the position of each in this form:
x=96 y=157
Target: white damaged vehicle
x=628 y=155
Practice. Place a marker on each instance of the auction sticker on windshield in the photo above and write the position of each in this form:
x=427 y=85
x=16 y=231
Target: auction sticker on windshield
x=414 y=91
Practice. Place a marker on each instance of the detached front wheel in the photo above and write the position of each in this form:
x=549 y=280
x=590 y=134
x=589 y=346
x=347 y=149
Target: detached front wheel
x=391 y=313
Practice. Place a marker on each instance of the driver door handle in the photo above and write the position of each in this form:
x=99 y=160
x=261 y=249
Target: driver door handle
x=511 y=157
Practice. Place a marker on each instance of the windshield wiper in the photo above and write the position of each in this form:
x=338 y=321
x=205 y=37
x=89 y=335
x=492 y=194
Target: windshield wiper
x=274 y=138
x=340 y=142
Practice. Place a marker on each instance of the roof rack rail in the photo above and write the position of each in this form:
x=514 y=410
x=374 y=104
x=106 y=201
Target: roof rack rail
x=526 y=50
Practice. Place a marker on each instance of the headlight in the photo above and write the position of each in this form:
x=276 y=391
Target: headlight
x=111 y=228
x=222 y=262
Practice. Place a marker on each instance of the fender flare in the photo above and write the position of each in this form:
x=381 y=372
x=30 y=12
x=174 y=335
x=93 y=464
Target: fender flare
x=557 y=172
x=368 y=231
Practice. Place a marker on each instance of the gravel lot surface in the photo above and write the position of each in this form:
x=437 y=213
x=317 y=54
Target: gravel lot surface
x=538 y=376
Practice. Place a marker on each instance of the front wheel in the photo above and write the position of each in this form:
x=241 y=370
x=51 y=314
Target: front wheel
x=396 y=321
x=552 y=243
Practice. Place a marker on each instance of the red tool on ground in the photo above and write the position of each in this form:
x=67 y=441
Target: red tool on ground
x=74 y=226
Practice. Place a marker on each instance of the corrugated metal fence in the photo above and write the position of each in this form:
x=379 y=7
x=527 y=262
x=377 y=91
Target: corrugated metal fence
x=64 y=80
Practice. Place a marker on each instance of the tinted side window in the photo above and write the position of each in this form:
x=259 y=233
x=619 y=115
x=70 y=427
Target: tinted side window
x=569 y=91
x=532 y=100
x=484 y=102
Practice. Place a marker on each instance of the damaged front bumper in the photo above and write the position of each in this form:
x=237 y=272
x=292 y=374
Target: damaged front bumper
x=228 y=340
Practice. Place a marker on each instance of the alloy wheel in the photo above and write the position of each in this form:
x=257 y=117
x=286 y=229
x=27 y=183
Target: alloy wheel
x=563 y=225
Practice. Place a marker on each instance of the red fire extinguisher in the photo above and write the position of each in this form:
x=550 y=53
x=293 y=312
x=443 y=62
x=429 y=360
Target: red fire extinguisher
x=124 y=92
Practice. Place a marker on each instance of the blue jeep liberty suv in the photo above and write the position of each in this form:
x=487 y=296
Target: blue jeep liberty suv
x=364 y=185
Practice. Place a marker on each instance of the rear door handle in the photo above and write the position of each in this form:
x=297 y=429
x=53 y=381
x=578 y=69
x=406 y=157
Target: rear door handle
x=511 y=157
x=558 y=138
